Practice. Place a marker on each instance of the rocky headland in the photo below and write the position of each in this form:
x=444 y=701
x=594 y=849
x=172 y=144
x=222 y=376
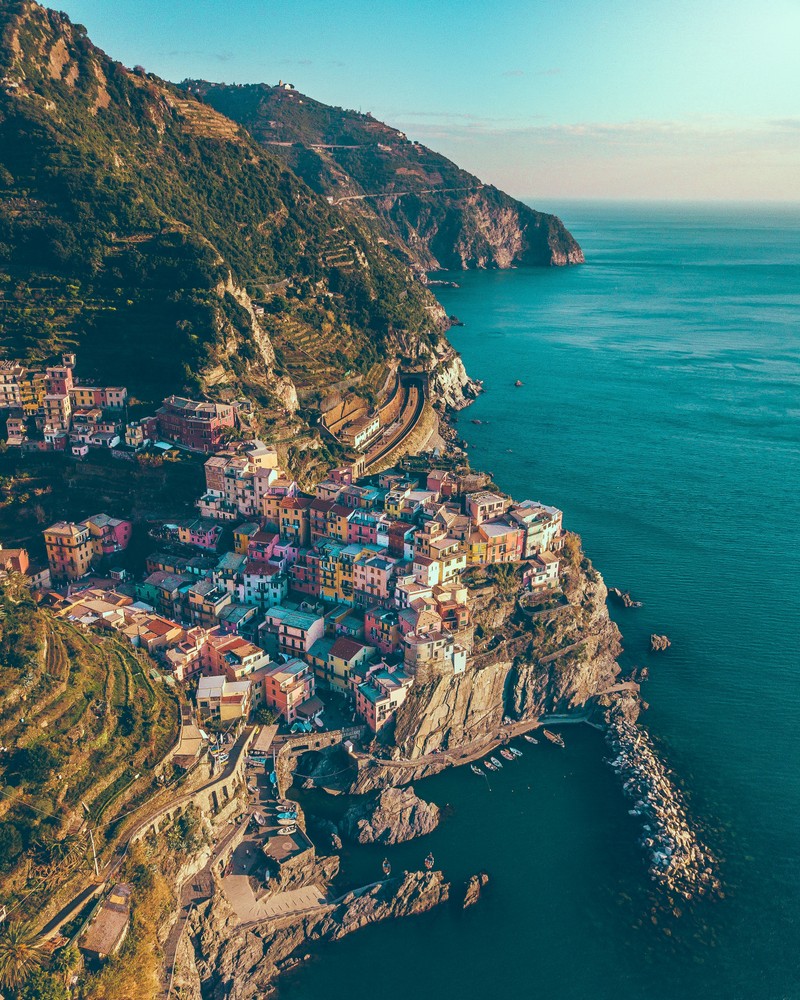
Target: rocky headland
x=219 y=958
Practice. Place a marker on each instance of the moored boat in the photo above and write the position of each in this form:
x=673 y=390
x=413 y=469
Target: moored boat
x=387 y=868
x=506 y=754
x=496 y=762
x=517 y=753
x=475 y=769
x=489 y=765
x=554 y=738
x=530 y=739
x=429 y=862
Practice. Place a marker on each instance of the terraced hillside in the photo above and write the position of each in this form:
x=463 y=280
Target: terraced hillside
x=429 y=210
x=84 y=720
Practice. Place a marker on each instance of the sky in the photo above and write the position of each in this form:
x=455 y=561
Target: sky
x=547 y=99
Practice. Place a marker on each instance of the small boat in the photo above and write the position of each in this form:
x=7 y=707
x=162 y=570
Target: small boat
x=287 y=831
x=387 y=868
x=495 y=761
x=287 y=815
x=517 y=753
x=554 y=738
x=530 y=739
x=489 y=765
x=287 y=822
x=475 y=769
x=429 y=862
x=518 y=383
x=506 y=754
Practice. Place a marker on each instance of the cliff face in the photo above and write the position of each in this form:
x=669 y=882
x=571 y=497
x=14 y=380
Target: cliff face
x=432 y=212
x=483 y=228
x=531 y=666
x=451 y=386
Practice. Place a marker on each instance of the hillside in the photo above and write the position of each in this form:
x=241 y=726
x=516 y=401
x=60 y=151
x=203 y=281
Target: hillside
x=155 y=235
x=429 y=209
x=84 y=724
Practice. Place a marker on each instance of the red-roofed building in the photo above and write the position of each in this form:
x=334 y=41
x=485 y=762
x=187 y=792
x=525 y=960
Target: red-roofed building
x=344 y=656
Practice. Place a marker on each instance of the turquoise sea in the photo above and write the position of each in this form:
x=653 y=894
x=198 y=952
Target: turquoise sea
x=661 y=411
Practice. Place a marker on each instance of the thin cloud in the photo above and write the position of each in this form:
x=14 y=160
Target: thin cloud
x=202 y=53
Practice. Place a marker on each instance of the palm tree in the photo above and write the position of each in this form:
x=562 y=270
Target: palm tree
x=20 y=954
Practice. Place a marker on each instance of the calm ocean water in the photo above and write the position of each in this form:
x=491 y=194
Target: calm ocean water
x=661 y=411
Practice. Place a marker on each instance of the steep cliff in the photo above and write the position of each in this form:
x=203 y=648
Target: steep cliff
x=526 y=664
x=524 y=667
x=430 y=210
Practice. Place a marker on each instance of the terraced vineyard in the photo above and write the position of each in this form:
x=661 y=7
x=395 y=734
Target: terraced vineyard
x=308 y=355
x=85 y=719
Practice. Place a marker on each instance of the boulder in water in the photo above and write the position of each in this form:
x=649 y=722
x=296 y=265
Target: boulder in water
x=394 y=816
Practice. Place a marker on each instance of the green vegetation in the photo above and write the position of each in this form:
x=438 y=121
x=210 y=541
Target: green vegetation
x=85 y=727
x=129 y=213
x=20 y=954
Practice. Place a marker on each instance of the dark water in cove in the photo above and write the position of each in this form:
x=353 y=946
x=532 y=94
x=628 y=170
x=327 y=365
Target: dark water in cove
x=661 y=411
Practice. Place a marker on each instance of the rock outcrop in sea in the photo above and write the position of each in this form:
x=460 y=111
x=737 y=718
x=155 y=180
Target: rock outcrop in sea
x=393 y=816
x=474 y=887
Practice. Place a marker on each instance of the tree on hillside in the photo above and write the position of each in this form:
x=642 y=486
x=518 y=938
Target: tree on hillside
x=20 y=954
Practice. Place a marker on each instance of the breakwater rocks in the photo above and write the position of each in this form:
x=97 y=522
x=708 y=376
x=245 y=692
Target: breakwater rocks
x=679 y=862
x=392 y=817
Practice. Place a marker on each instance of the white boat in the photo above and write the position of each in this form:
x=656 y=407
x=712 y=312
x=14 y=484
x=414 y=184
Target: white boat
x=495 y=761
x=530 y=739
x=517 y=753
x=287 y=822
x=475 y=769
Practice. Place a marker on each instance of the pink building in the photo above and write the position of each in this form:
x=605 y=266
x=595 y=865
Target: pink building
x=111 y=534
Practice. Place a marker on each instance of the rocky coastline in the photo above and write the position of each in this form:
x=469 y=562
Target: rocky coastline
x=219 y=959
x=524 y=668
